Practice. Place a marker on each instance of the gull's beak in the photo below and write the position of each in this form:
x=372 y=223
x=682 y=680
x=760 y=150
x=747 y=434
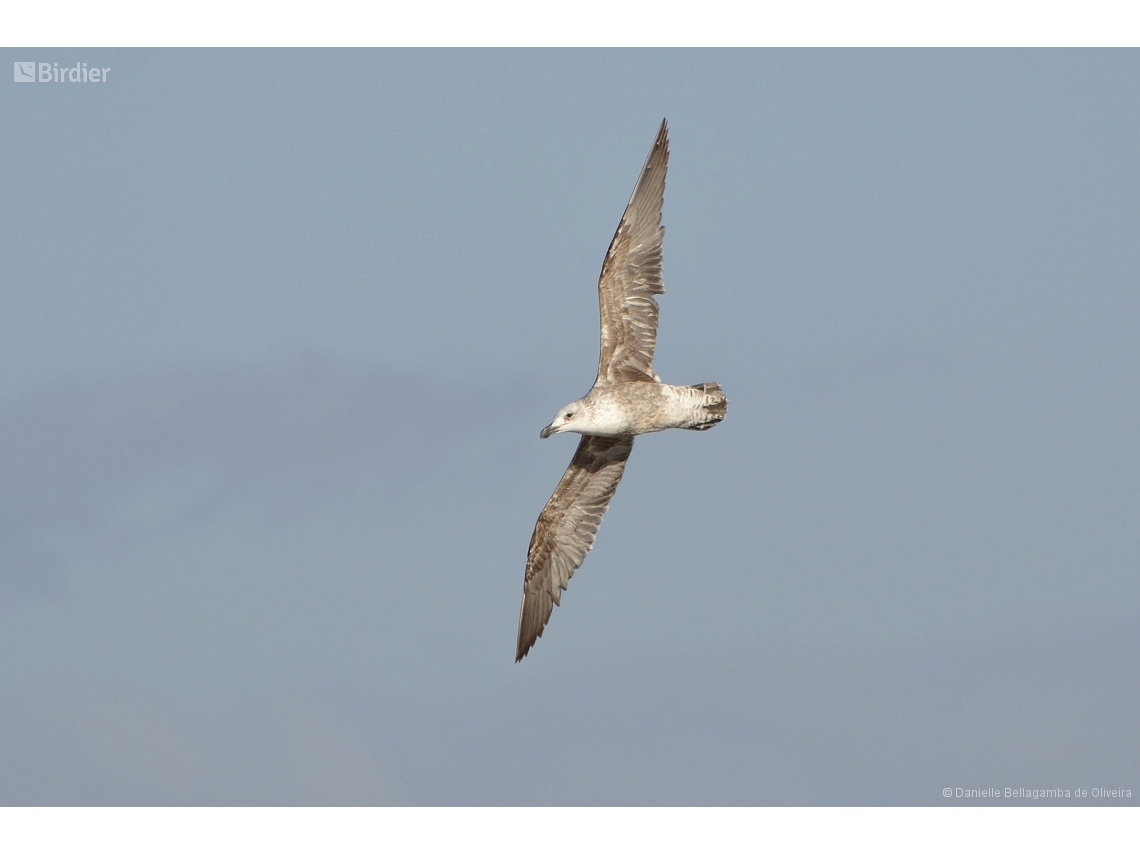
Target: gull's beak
x=547 y=432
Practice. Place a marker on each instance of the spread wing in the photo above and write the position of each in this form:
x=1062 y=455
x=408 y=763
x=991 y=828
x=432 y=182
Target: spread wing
x=566 y=529
x=631 y=275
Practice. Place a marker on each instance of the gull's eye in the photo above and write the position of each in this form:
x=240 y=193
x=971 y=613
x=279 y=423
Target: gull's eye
x=569 y=416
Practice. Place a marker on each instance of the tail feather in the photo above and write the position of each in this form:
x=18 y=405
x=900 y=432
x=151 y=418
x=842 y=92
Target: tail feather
x=713 y=408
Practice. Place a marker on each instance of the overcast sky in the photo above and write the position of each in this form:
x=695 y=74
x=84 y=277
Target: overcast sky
x=278 y=331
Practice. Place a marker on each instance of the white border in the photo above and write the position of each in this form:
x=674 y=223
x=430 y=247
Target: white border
x=598 y=23
x=552 y=831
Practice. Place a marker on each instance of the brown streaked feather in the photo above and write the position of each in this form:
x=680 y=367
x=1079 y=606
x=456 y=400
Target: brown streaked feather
x=631 y=275
x=566 y=529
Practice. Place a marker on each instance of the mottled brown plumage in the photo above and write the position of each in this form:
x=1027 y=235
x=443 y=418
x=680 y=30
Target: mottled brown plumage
x=631 y=275
x=627 y=399
x=566 y=529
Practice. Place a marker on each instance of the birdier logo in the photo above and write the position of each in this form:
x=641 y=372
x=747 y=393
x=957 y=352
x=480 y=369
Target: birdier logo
x=50 y=72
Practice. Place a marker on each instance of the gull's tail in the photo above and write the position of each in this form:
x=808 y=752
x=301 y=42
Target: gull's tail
x=712 y=409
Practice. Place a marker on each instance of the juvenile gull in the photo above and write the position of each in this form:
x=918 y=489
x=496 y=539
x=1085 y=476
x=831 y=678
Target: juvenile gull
x=627 y=399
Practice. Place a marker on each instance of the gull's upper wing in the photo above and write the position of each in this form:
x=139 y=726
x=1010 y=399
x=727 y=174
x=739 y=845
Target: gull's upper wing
x=631 y=275
x=566 y=529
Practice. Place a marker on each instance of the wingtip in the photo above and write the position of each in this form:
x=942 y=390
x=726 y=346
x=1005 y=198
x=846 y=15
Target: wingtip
x=524 y=646
x=528 y=633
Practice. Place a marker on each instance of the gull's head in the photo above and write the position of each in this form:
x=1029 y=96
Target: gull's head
x=569 y=418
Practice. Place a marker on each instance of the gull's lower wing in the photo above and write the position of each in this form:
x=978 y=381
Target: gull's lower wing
x=566 y=529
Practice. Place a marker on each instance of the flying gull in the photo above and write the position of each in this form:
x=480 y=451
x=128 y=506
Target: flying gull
x=627 y=399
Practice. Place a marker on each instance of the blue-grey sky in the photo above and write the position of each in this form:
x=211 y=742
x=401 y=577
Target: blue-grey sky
x=278 y=331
